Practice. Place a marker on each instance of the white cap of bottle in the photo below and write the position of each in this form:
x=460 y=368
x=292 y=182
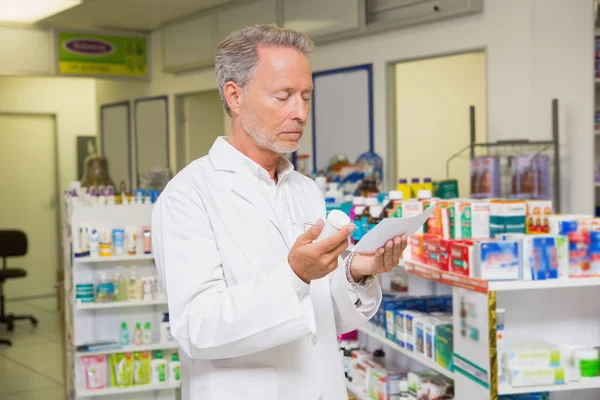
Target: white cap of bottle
x=396 y=195
x=371 y=201
x=424 y=194
x=358 y=200
x=336 y=220
x=375 y=211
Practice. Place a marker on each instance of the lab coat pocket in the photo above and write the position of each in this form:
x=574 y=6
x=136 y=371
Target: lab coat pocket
x=243 y=383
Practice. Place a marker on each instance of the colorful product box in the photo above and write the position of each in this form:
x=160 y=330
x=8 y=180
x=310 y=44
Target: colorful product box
x=416 y=247
x=435 y=304
x=497 y=260
x=431 y=250
x=485 y=177
x=392 y=389
x=444 y=346
x=537 y=213
x=410 y=332
x=579 y=260
x=444 y=254
x=542 y=256
x=475 y=219
x=530 y=177
x=518 y=377
x=507 y=217
x=392 y=306
x=461 y=258
x=454 y=218
x=431 y=338
x=373 y=377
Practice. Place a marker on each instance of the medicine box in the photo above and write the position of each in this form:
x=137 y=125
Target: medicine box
x=485 y=177
x=416 y=247
x=407 y=303
x=444 y=254
x=531 y=355
x=373 y=377
x=475 y=219
x=461 y=258
x=542 y=256
x=444 y=346
x=507 y=217
x=454 y=218
x=430 y=336
x=518 y=377
x=497 y=260
x=431 y=250
x=537 y=213
x=410 y=319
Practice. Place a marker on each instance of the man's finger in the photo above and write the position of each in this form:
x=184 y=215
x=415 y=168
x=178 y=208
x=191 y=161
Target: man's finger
x=338 y=250
x=379 y=260
x=388 y=255
x=397 y=249
x=329 y=244
x=310 y=235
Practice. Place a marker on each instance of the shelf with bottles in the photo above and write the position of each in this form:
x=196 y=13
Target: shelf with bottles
x=116 y=347
x=107 y=260
x=139 y=370
x=120 y=304
x=110 y=391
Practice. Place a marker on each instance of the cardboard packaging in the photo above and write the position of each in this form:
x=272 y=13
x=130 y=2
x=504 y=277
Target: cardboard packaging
x=475 y=219
x=507 y=217
x=537 y=213
x=497 y=260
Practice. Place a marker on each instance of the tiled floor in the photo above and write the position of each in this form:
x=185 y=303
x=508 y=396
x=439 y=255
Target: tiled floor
x=32 y=369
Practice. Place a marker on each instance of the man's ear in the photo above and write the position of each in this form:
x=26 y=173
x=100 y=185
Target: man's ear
x=234 y=96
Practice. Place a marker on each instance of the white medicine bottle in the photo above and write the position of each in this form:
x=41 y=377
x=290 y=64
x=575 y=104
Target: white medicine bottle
x=335 y=221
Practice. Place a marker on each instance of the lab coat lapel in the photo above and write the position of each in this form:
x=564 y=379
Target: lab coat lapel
x=245 y=186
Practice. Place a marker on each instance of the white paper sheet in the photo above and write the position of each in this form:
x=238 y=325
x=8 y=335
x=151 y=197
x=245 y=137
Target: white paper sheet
x=390 y=228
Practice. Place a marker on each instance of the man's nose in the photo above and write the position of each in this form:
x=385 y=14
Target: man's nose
x=300 y=110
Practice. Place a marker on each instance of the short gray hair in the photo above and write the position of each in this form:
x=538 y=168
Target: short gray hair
x=237 y=55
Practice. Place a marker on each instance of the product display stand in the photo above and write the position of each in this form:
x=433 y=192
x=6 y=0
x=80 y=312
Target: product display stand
x=562 y=311
x=96 y=321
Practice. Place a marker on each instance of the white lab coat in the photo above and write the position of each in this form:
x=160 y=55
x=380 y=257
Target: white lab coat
x=247 y=327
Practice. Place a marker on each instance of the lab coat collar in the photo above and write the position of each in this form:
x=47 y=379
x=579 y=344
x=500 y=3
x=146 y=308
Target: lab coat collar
x=225 y=157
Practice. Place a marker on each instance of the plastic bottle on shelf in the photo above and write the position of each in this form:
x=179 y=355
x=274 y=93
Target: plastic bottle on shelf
x=424 y=194
x=124 y=335
x=376 y=216
x=159 y=368
x=366 y=215
x=427 y=184
x=389 y=208
x=165 y=330
x=415 y=186
x=147 y=333
x=175 y=369
x=138 y=335
x=404 y=188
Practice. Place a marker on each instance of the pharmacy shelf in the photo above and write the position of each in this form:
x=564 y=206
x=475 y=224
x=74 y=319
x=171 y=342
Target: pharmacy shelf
x=110 y=259
x=415 y=356
x=358 y=393
x=130 y=349
x=586 y=384
x=478 y=285
x=83 y=393
x=445 y=277
x=120 y=304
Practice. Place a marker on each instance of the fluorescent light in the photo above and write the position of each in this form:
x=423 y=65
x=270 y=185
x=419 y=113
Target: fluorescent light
x=30 y=11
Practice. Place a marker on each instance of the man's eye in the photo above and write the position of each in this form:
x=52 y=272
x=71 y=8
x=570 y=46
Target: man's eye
x=283 y=98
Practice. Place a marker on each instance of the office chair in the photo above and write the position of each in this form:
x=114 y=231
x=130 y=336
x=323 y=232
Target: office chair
x=13 y=243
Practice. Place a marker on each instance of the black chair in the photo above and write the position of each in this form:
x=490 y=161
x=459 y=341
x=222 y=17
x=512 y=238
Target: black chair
x=13 y=243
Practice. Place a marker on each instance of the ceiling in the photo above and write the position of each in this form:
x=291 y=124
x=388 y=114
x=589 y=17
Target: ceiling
x=127 y=15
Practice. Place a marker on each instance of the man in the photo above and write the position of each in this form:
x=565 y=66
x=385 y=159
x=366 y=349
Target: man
x=254 y=304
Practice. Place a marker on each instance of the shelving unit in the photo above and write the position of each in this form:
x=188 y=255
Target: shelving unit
x=93 y=322
x=367 y=330
x=113 y=259
x=591 y=383
x=120 y=304
x=129 y=349
x=130 y=390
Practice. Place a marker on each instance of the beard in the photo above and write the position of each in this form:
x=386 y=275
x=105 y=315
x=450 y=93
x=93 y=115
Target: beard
x=256 y=128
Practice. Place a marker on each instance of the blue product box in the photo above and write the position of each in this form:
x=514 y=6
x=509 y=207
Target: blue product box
x=545 y=258
x=435 y=304
x=566 y=227
x=498 y=260
x=390 y=308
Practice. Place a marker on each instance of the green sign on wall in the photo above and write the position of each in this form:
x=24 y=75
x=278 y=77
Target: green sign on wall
x=102 y=55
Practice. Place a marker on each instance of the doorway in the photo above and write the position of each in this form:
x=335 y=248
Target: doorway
x=431 y=99
x=29 y=187
x=201 y=118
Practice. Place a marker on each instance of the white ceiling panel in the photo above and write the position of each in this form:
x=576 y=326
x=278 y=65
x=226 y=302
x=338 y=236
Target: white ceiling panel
x=137 y=15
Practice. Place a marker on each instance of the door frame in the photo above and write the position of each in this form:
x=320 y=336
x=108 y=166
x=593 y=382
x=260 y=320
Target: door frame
x=56 y=188
x=390 y=103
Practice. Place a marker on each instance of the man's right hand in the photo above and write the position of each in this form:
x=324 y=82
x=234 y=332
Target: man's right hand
x=315 y=260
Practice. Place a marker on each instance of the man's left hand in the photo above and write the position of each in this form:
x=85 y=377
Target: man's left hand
x=383 y=260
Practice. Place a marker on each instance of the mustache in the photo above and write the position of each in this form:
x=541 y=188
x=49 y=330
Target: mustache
x=298 y=128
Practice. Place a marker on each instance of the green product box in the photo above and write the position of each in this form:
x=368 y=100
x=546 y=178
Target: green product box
x=447 y=189
x=444 y=346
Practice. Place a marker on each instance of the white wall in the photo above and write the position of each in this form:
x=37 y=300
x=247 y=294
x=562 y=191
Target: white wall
x=537 y=50
x=432 y=102
x=72 y=100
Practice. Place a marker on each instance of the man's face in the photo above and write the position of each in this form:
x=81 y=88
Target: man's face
x=276 y=101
